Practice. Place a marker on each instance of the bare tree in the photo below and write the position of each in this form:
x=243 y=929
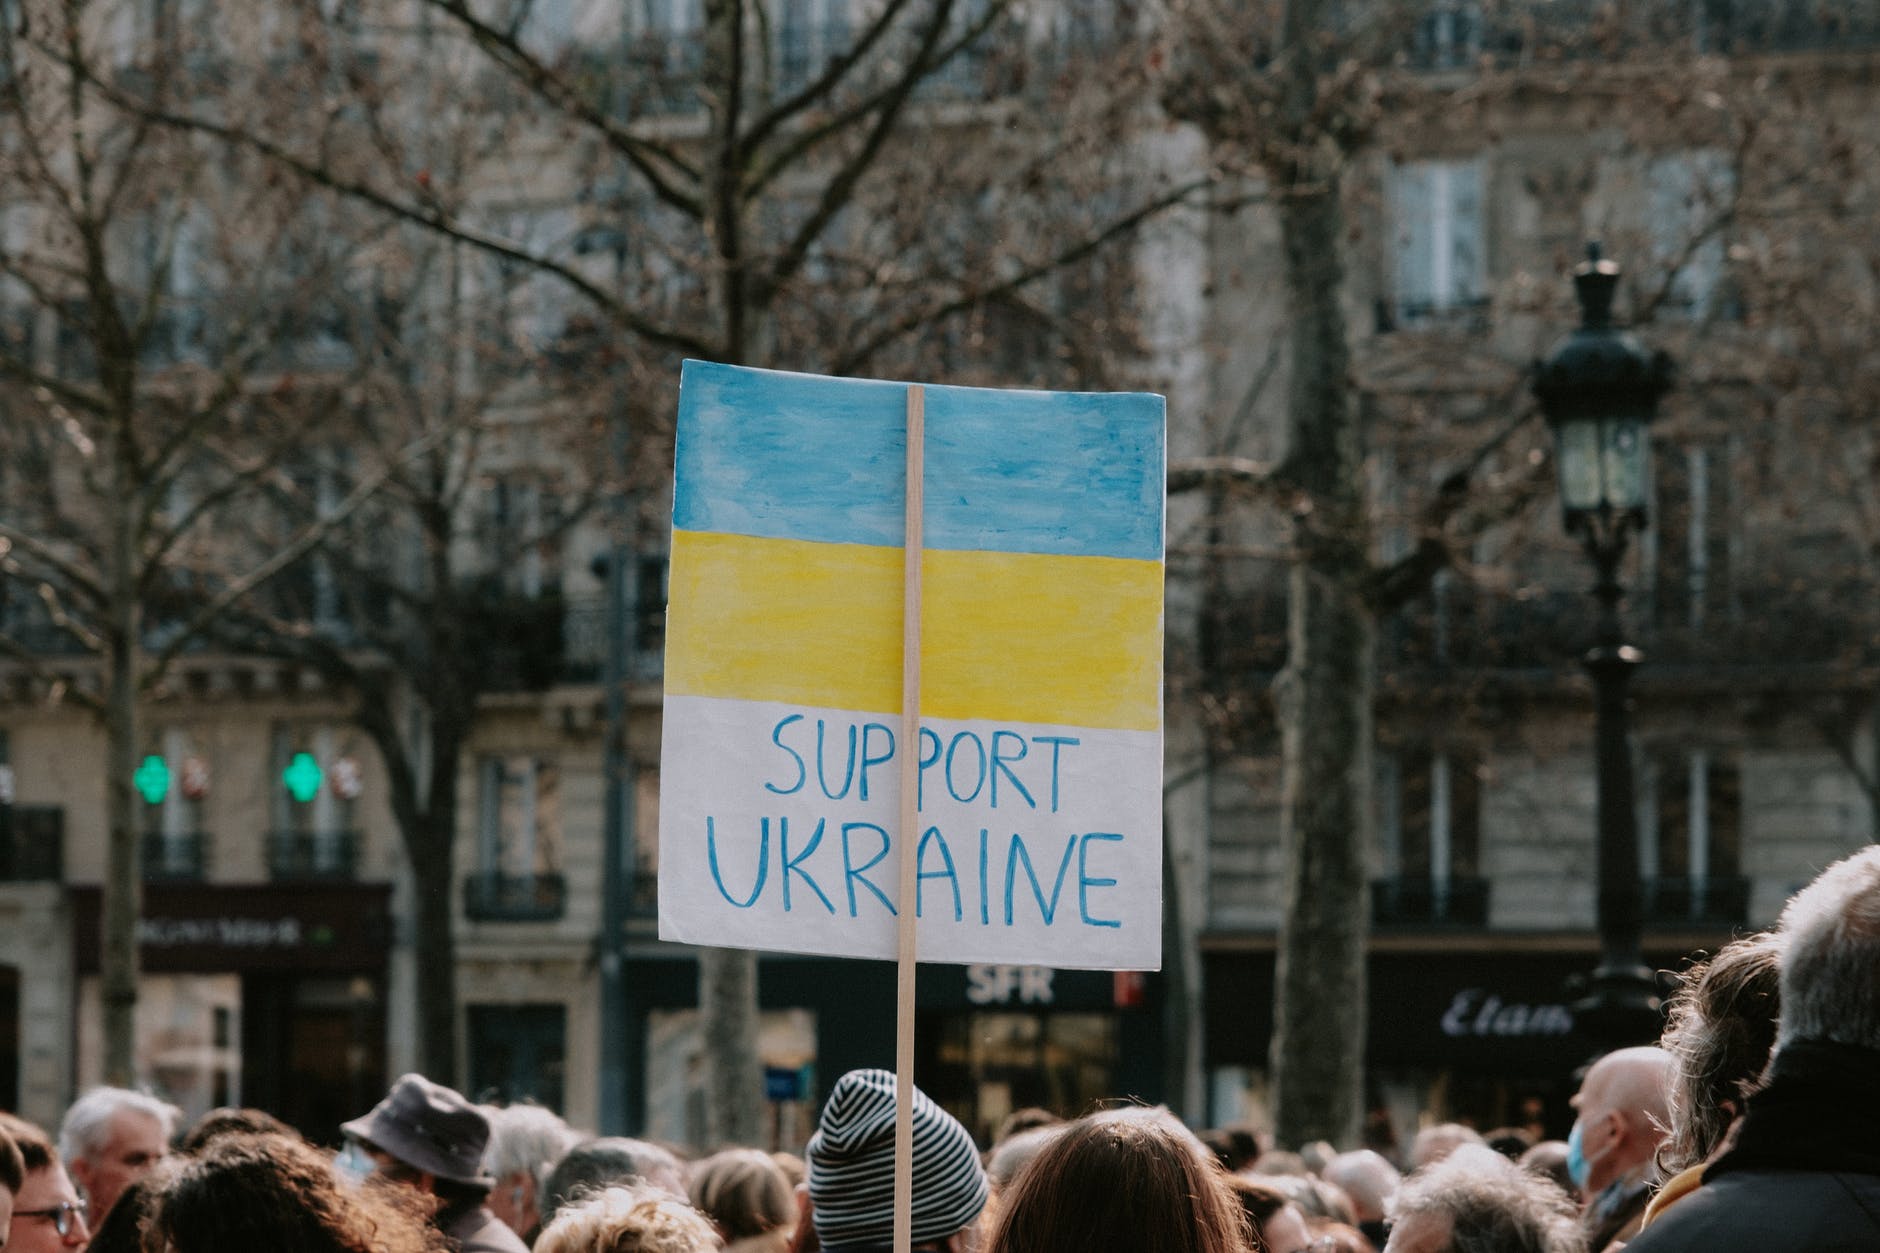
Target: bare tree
x=138 y=423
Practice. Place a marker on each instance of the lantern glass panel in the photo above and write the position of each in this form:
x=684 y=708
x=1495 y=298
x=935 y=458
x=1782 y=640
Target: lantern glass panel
x=1578 y=449
x=1624 y=455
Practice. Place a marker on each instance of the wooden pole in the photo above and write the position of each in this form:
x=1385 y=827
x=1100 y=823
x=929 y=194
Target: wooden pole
x=910 y=825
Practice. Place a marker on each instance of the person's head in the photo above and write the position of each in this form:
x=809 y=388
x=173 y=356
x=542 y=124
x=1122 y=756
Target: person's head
x=428 y=1137
x=1549 y=1160
x=1510 y=1142
x=1435 y=1143
x=1830 y=938
x=47 y=1213
x=1622 y=1116
x=1014 y=1153
x=279 y=1193
x=122 y=1229
x=1371 y=1182
x=743 y=1192
x=230 y=1120
x=1126 y=1179
x=1722 y=1026
x=1269 y=1218
x=598 y=1163
x=628 y=1219
x=851 y=1167
x=1477 y=1201
x=1020 y=1121
x=1315 y=1154
x=526 y=1141
x=111 y=1136
x=1279 y=1162
x=12 y=1175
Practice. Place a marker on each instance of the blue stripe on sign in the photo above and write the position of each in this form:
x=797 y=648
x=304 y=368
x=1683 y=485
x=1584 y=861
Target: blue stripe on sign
x=800 y=456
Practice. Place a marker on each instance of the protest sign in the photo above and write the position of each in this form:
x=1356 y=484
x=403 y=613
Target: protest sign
x=1037 y=766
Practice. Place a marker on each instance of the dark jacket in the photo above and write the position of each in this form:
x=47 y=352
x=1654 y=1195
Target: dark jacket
x=473 y=1229
x=1803 y=1169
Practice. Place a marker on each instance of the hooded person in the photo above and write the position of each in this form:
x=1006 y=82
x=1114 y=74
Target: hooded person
x=851 y=1171
x=431 y=1138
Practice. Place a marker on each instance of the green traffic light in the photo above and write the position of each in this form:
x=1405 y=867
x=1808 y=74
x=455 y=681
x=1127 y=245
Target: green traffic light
x=302 y=777
x=152 y=779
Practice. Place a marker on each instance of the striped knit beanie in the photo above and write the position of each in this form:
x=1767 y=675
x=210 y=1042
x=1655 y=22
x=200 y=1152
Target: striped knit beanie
x=851 y=1166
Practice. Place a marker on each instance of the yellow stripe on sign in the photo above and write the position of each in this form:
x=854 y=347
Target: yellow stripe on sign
x=1013 y=637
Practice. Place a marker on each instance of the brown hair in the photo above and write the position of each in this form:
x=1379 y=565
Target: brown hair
x=743 y=1191
x=279 y=1193
x=35 y=1146
x=1259 y=1199
x=1134 y=1179
x=232 y=1120
x=1722 y=1025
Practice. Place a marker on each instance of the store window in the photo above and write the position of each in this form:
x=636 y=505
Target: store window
x=186 y=1044
x=675 y=1077
x=981 y=1066
x=518 y=1053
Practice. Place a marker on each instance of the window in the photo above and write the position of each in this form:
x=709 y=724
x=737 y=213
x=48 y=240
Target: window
x=1430 y=827
x=315 y=780
x=518 y=1053
x=519 y=834
x=1690 y=552
x=1448 y=36
x=811 y=34
x=1690 y=836
x=1688 y=198
x=173 y=780
x=1439 y=259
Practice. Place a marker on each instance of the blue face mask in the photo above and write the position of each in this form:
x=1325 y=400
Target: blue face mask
x=1578 y=1168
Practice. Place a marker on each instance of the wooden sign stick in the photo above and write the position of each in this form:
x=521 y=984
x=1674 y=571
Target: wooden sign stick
x=910 y=824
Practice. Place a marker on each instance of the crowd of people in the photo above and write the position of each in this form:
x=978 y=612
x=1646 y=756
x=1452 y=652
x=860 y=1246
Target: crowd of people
x=1753 y=1124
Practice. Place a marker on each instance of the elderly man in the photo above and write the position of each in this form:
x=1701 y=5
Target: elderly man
x=1623 y=1108
x=47 y=1216
x=112 y=1137
x=1476 y=1199
x=526 y=1142
x=1802 y=1170
x=1371 y=1182
x=428 y=1137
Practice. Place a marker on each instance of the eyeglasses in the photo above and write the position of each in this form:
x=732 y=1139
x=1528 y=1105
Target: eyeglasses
x=64 y=1216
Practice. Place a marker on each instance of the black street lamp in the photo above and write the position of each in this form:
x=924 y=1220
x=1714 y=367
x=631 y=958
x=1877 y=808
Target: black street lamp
x=1599 y=389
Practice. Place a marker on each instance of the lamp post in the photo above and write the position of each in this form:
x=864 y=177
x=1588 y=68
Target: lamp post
x=1599 y=389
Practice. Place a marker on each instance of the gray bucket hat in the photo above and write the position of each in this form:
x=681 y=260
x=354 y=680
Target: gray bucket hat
x=429 y=1127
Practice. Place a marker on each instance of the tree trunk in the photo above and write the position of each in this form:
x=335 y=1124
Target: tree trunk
x=727 y=985
x=123 y=886
x=1325 y=703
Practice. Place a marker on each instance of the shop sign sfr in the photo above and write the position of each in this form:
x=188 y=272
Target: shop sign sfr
x=998 y=985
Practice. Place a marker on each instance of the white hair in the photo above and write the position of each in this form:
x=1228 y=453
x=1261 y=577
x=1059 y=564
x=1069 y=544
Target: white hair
x=1367 y=1178
x=1492 y=1205
x=529 y=1138
x=87 y=1125
x=1830 y=937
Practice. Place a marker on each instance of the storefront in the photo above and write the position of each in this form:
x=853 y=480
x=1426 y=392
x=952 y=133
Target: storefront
x=1484 y=1037
x=989 y=1039
x=265 y=995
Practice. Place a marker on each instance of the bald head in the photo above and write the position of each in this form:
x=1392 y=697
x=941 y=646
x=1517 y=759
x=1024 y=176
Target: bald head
x=1624 y=1110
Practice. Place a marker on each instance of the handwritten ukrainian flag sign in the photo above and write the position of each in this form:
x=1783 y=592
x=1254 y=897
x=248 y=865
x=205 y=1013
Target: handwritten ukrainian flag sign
x=1040 y=746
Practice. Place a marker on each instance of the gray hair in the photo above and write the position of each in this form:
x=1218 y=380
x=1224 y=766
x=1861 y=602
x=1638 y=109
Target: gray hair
x=1014 y=1153
x=526 y=1138
x=1492 y=1205
x=1367 y=1178
x=593 y=1165
x=87 y=1125
x=1831 y=956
